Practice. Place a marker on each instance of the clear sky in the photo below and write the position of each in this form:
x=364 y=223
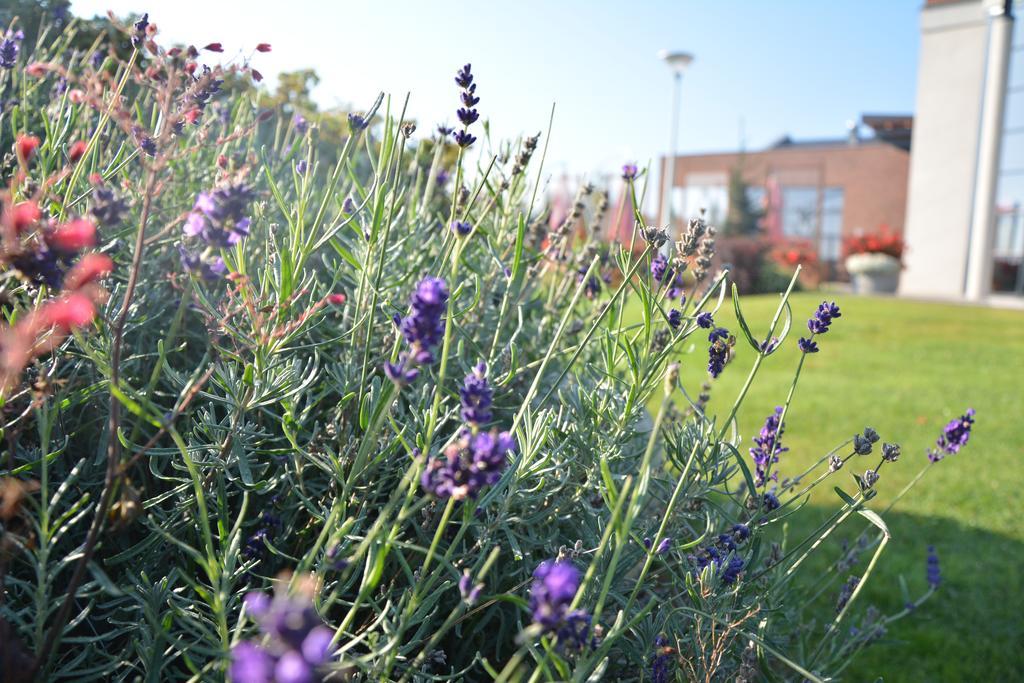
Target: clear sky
x=802 y=67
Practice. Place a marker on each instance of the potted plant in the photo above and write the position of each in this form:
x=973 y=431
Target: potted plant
x=874 y=261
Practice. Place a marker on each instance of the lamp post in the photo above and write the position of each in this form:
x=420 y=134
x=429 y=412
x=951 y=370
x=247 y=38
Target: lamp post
x=677 y=61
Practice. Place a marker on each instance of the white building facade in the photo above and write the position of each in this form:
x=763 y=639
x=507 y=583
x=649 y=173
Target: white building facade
x=964 y=223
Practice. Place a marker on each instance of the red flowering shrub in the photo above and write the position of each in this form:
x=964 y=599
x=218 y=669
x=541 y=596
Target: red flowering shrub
x=885 y=241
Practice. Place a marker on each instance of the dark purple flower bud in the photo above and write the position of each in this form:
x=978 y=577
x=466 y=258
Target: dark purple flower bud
x=933 y=572
x=357 y=123
x=551 y=594
x=629 y=171
x=349 y=206
x=300 y=123
x=890 y=452
x=301 y=167
x=663 y=547
x=675 y=318
x=476 y=396
x=846 y=592
x=139 y=34
x=464 y=139
x=822 y=318
x=464 y=78
x=807 y=345
x=444 y=131
x=462 y=228
x=732 y=570
x=768 y=446
x=467 y=116
x=718 y=352
x=469 y=98
x=468 y=465
x=659 y=267
x=705 y=320
x=209 y=268
x=956 y=433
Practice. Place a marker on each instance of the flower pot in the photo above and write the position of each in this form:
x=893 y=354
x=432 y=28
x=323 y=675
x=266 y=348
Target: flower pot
x=873 y=273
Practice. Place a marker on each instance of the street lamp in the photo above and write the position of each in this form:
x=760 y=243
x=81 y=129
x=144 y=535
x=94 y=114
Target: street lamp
x=677 y=61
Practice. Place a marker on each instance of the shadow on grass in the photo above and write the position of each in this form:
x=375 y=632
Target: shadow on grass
x=971 y=629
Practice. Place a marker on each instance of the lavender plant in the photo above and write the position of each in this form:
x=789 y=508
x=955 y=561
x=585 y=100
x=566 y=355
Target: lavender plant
x=455 y=447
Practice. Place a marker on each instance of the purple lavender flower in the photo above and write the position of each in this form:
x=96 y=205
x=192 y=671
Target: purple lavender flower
x=768 y=445
x=96 y=60
x=592 y=287
x=268 y=525
x=663 y=546
x=705 y=320
x=468 y=465
x=469 y=591
x=954 y=437
x=300 y=123
x=462 y=228
x=464 y=139
x=933 y=572
x=464 y=77
x=822 y=318
x=846 y=592
x=467 y=114
x=629 y=171
x=675 y=318
x=819 y=324
x=718 y=352
x=551 y=594
x=659 y=267
x=423 y=329
x=209 y=267
x=769 y=501
x=662 y=662
x=298 y=643
x=9 y=48
x=807 y=345
x=732 y=570
x=218 y=217
x=476 y=396
x=444 y=131
x=357 y=123
x=442 y=177
x=301 y=167
x=139 y=34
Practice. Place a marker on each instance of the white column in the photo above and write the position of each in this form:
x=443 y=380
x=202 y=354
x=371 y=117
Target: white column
x=669 y=168
x=978 y=282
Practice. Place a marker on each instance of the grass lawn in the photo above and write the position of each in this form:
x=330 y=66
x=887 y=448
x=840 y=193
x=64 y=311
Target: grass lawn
x=906 y=368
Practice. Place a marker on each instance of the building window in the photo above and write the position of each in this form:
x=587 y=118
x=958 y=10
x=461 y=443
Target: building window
x=1008 y=249
x=705 y=191
x=831 y=224
x=800 y=212
x=814 y=214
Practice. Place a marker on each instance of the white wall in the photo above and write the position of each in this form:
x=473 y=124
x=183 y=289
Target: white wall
x=943 y=156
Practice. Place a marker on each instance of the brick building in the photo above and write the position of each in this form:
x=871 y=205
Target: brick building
x=819 y=191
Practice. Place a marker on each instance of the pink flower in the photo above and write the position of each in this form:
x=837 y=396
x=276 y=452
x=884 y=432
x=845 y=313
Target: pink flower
x=77 y=151
x=26 y=146
x=263 y=47
x=69 y=312
x=90 y=268
x=73 y=235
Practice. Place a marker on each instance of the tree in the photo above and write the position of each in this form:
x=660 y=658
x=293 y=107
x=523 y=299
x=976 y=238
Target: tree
x=742 y=218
